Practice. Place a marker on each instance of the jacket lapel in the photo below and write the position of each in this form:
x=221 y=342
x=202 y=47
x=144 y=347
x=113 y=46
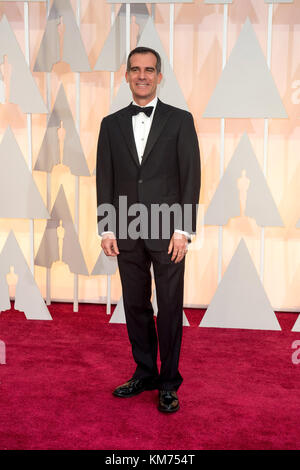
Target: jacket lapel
x=159 y=120
x=125 y=122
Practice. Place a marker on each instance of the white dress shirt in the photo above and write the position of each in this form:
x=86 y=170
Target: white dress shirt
x=141 y=125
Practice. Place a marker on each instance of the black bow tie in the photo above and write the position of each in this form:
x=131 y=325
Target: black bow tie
x=138 y=109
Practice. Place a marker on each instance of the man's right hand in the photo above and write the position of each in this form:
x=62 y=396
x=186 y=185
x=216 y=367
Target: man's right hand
x=109 y=244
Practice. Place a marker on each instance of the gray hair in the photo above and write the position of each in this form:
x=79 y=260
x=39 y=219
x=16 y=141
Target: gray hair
x=145 y=50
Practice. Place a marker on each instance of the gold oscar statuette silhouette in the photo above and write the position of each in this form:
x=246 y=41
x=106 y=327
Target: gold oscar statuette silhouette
x=60 y=66
x=61 y=134
x=12 y=280
x=10 y=113
x=60 y=236
x=243 y=223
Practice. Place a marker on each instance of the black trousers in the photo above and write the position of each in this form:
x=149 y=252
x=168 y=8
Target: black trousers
x=145 y=338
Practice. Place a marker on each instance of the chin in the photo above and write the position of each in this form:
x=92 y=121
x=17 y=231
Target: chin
x=144 y=96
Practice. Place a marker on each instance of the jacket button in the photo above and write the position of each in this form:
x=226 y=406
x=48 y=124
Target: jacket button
x=140 y=181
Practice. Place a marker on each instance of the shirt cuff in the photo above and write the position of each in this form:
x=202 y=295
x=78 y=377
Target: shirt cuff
x=105 y=233
x=184 y=233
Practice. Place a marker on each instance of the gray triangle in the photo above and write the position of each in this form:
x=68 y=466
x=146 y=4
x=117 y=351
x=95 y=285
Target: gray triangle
x=298 y=224
x=113 y=53
x=28 y=298
x=74 y=53
x=122 y=98
x=118 y=315
x=169 y=90
x=23 y=89
x=225 y=203
x=60 y=209
x=19 y=195
x=246 y=88
x=72 y=152
x=49 y=251
x=106 y=265
x=72 y=253
x=240 y=300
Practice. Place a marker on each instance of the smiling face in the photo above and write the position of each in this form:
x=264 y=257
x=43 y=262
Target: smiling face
x=143 y=78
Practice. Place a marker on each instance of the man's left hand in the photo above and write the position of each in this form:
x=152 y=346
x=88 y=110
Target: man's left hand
x=178 y=244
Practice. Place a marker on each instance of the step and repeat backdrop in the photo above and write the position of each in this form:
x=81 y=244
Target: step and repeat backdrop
x=234 y=64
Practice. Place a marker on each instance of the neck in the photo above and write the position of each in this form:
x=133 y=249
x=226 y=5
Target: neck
x=143 y=101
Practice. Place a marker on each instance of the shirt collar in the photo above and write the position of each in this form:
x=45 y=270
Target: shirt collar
x=152 y=103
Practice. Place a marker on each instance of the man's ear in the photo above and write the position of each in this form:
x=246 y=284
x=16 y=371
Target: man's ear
x=160 y=77
x=126 y=76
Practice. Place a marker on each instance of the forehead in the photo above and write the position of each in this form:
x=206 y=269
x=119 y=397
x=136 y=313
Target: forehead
x=143 y=60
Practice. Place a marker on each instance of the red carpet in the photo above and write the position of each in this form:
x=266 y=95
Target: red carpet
x=240 y=389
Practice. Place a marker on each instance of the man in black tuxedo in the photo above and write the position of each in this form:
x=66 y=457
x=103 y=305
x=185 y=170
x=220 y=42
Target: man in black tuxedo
x=148 y=157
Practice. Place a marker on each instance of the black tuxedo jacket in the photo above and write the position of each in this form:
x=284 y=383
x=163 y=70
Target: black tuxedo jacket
x=168 y=177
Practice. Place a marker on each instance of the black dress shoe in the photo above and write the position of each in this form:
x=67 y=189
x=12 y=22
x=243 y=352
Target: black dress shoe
x=134 y=387
x=168 y=401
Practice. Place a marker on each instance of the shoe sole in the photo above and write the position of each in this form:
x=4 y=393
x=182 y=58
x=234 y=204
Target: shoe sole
x=129 y=395
x=134 y=393
x=162 y=410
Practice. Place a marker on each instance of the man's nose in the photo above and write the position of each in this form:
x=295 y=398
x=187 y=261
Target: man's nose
x=142 y=75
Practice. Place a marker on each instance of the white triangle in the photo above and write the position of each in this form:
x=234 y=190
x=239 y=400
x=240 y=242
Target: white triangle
x=296 y=326
x=225 y=203
x=240 y=300
x=23 y=89
x=19 y=195
x=246 y=88
x=298 y=224
x=28 y=298
x=106 y=265
x=118 y=315
x=169 y=90
x=185 y=321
